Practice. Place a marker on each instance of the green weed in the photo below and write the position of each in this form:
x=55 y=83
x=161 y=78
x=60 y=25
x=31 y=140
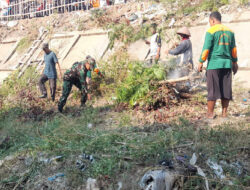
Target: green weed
x=23 y=44
x=126 y=33
x=117 y=150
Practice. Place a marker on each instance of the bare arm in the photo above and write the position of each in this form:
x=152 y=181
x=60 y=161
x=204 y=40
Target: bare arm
x=158 y=53
x=60 y=71
x=147 y=42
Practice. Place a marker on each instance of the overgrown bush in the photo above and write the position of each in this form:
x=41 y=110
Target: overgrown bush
x=100 y=17
x=13 y=84
x=126 y=33
x=208 y=5
x=138 y=83
x=19 y=91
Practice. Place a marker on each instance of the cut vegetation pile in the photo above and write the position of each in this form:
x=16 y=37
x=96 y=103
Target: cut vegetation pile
x=161 y=127
x=138 y=83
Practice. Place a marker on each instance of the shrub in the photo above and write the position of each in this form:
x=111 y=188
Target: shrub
x=138 y=83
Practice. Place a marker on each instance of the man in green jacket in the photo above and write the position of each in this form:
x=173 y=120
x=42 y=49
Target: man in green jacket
x=220 y=51
x=77 y=75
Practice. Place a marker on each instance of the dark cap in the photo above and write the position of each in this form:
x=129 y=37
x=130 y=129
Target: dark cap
x=154 y=25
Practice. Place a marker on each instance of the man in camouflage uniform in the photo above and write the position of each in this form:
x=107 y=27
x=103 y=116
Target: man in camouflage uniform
x=77 y=76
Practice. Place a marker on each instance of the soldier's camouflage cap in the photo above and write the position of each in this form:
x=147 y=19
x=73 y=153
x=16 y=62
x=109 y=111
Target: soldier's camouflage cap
x=91 y=61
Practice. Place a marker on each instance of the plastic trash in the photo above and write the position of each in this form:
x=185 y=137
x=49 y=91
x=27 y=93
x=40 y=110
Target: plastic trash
x=168 y=163
x=56 y=158
x=133 y=17
x=87 y=157
x=202 y=174
x=154 y=180
x=80 y=165
x=244 y=100
x=12 y=24
x=90 y=125
x=50 y=160
x=83 y=160
x=53 y=178
x=172 y=22
x=193 y=160
x=217 y=169
x=236 y=166
x=183 y=160
x=159 y=179
x=119 y=186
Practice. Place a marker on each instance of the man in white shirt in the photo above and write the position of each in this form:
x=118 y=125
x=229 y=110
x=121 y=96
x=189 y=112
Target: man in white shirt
x=155 y=45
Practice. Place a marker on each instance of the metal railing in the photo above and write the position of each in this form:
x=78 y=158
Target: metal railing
x=21 y=9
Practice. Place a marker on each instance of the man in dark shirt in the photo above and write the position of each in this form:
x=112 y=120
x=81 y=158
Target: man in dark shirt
x=77 y=75
x=49 y=72
x=185 y=47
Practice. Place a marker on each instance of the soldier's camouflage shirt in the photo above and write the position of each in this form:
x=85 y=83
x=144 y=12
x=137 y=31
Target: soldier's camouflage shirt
x=77 y=71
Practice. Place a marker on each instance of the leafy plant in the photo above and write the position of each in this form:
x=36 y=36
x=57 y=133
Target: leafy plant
x=138 y=83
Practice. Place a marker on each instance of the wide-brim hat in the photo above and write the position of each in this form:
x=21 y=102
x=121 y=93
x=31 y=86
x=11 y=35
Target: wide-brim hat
x=184 y=30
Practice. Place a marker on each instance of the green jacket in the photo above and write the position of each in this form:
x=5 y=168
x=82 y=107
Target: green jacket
x=219 y=48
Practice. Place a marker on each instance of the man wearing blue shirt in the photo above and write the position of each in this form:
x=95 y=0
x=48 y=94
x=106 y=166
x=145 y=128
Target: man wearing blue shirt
x=49 y=72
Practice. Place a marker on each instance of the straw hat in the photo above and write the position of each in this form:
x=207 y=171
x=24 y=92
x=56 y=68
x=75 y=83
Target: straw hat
x=184 y=30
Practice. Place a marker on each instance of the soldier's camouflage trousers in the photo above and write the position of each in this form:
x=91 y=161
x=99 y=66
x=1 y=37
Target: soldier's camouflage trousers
x=67 y=86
